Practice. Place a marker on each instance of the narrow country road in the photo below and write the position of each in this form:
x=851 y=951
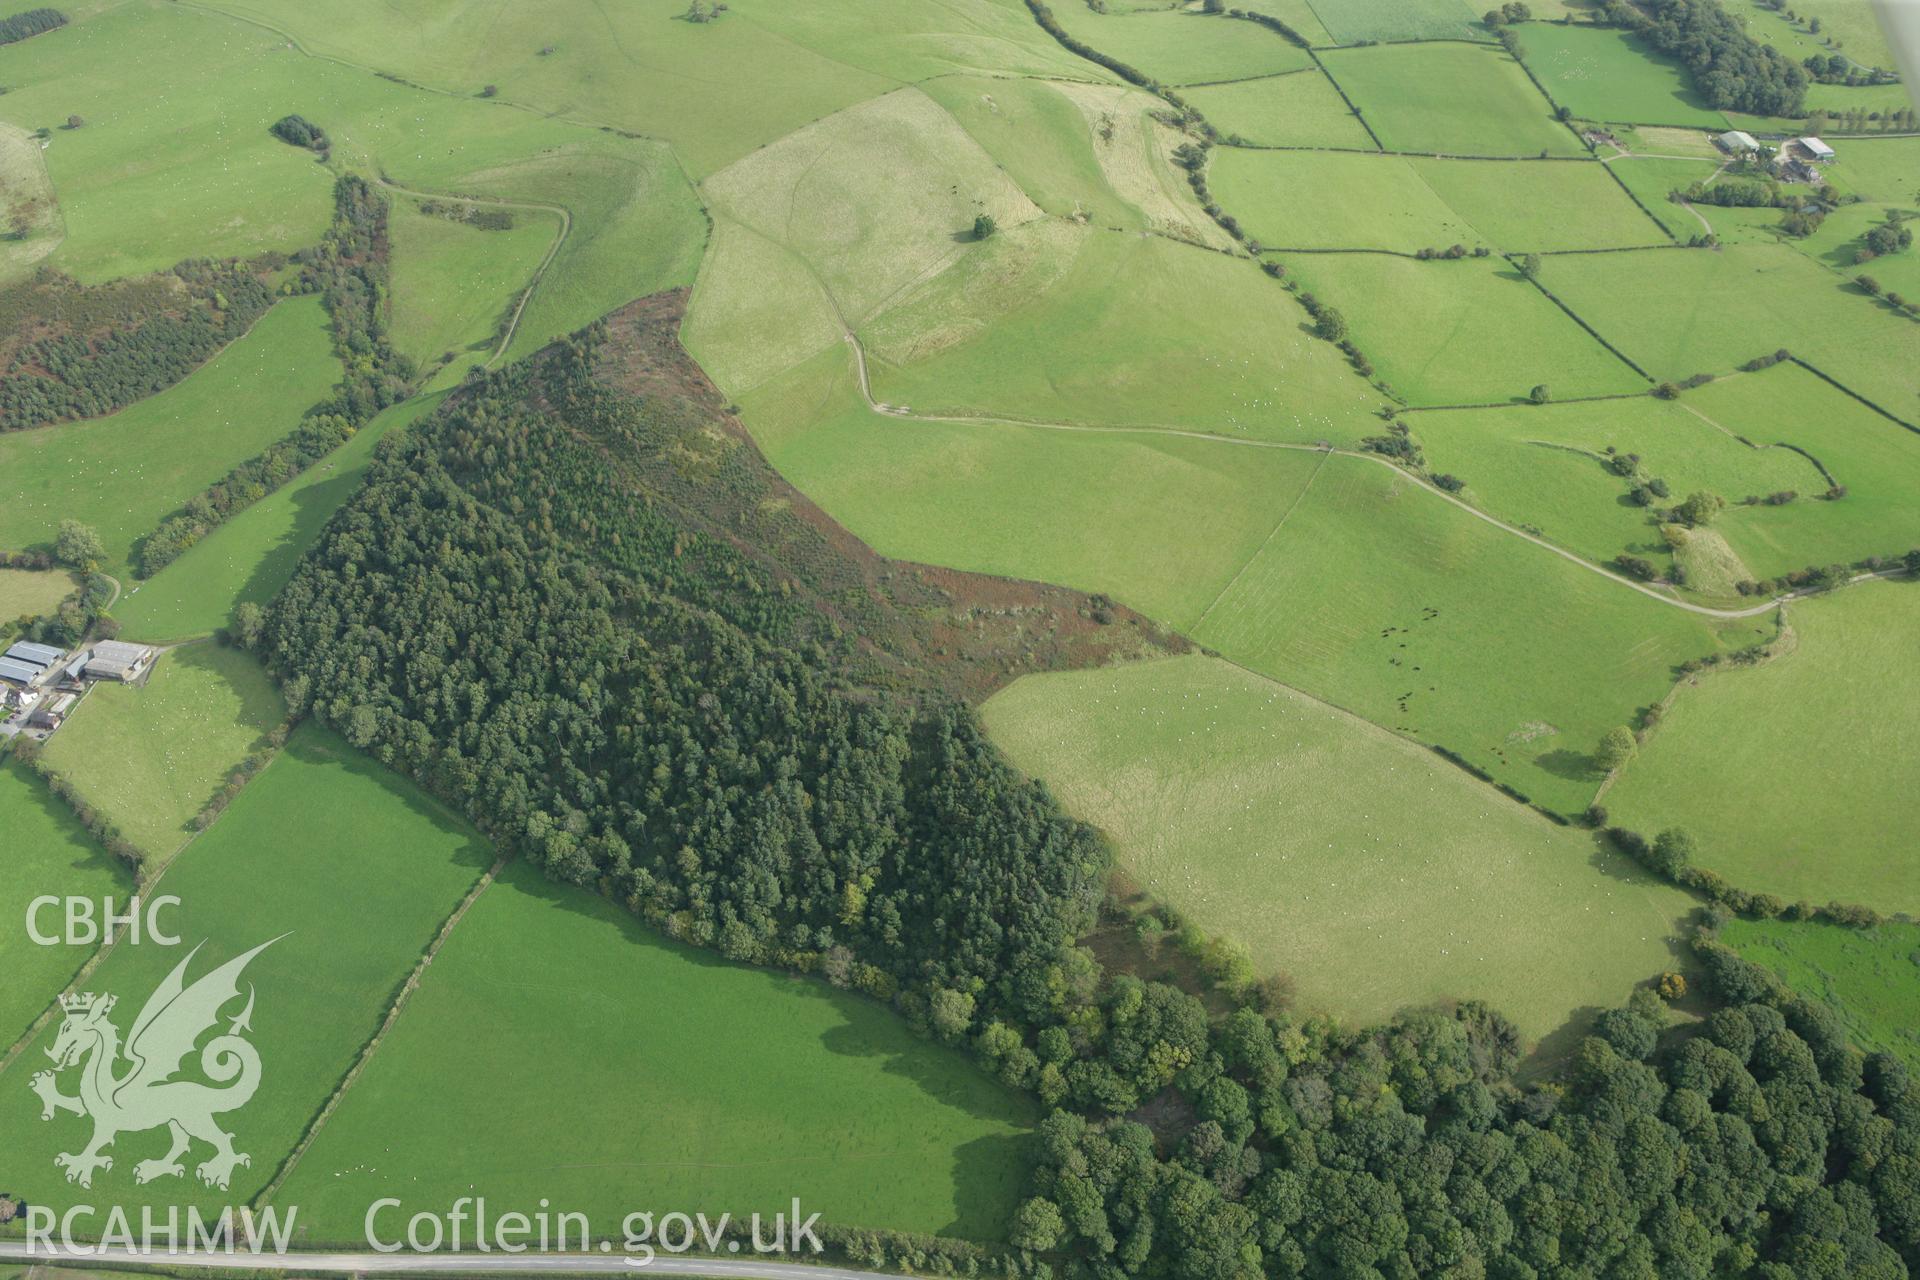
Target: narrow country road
x=456 y=1263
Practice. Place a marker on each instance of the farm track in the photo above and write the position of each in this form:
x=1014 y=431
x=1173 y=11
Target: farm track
x=539 y=272
x=905 y=415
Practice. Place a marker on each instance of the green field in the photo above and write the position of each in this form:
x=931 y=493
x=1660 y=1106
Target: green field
x=1846 y=26
x=1407 y=204
x=1839 y=696
x=1838 y=243
x=1137 y=331
x=1544 y=467
x=621 y=1070
x=1655 y=178
x=150 y=756
x=141 y=189
x=1681 y=313
x=1450 y=99
x=1876 y=460
x=1603 y=73
x=811 y=194
x=251 y=556
x=1372 y=872
x=1886 y=170
x=637 y=67
x=1180 y=47
x=48 y=854
x=1075 y=149
x=1467 y=332
x=1379 y=596
x=1159 y=521
x=353 y=871
x=454 y=285
x=125 y=473
x=1354 y=21
x=1870 y=977
x=30 y=593
x=1301 y=110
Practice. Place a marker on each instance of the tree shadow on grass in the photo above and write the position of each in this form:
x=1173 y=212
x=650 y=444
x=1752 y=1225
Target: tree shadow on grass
x=1575 y=765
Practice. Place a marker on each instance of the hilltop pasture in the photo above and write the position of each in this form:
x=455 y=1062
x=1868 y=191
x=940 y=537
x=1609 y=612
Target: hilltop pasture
x=1379 y=596
x=455 y=284
x=1370 y=871
x=349 y=871
x=680 y=1079
x=1138 y=331
x=1840 y=694
x=1450 y=99
x=141 y=189
x=124 y=473
x=1184 y=47
x=1165 y=526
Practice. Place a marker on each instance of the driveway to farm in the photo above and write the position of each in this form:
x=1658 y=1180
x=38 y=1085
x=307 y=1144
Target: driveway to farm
x=457 y=1263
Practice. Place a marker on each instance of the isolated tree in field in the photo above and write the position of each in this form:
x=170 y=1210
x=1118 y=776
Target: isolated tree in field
x=1330 y=324
x=1530 y=266
x=1540 y=394
x=1699 y=508
x=984 y=226
x=74 y=122
x=1911 y=561
x=78 y=546
x=1616 y=749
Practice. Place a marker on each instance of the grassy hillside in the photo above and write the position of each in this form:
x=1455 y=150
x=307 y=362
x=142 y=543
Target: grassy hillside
x=1378 y=596
x=1157 y=521
x=126 y=472
x=655 y=1074
x=1178 y=46
x=1302 y=109
x=1766 y=820
x=455 y=284
x=1372 y=872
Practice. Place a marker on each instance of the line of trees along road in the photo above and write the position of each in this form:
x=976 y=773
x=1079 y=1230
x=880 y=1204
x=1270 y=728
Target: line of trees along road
x=612 y=695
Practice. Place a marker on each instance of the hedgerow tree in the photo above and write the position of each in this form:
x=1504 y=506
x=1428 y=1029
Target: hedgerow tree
x=1617 y=748
x=78 y=546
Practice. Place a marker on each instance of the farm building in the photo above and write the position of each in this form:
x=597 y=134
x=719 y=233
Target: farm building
x=1737 y=142
x=53 y=713
x=1814 y=149
x=30 y=663
x=23 y=674
x=118 y=660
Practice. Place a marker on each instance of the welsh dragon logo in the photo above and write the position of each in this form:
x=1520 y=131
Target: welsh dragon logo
x=131 y=1087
